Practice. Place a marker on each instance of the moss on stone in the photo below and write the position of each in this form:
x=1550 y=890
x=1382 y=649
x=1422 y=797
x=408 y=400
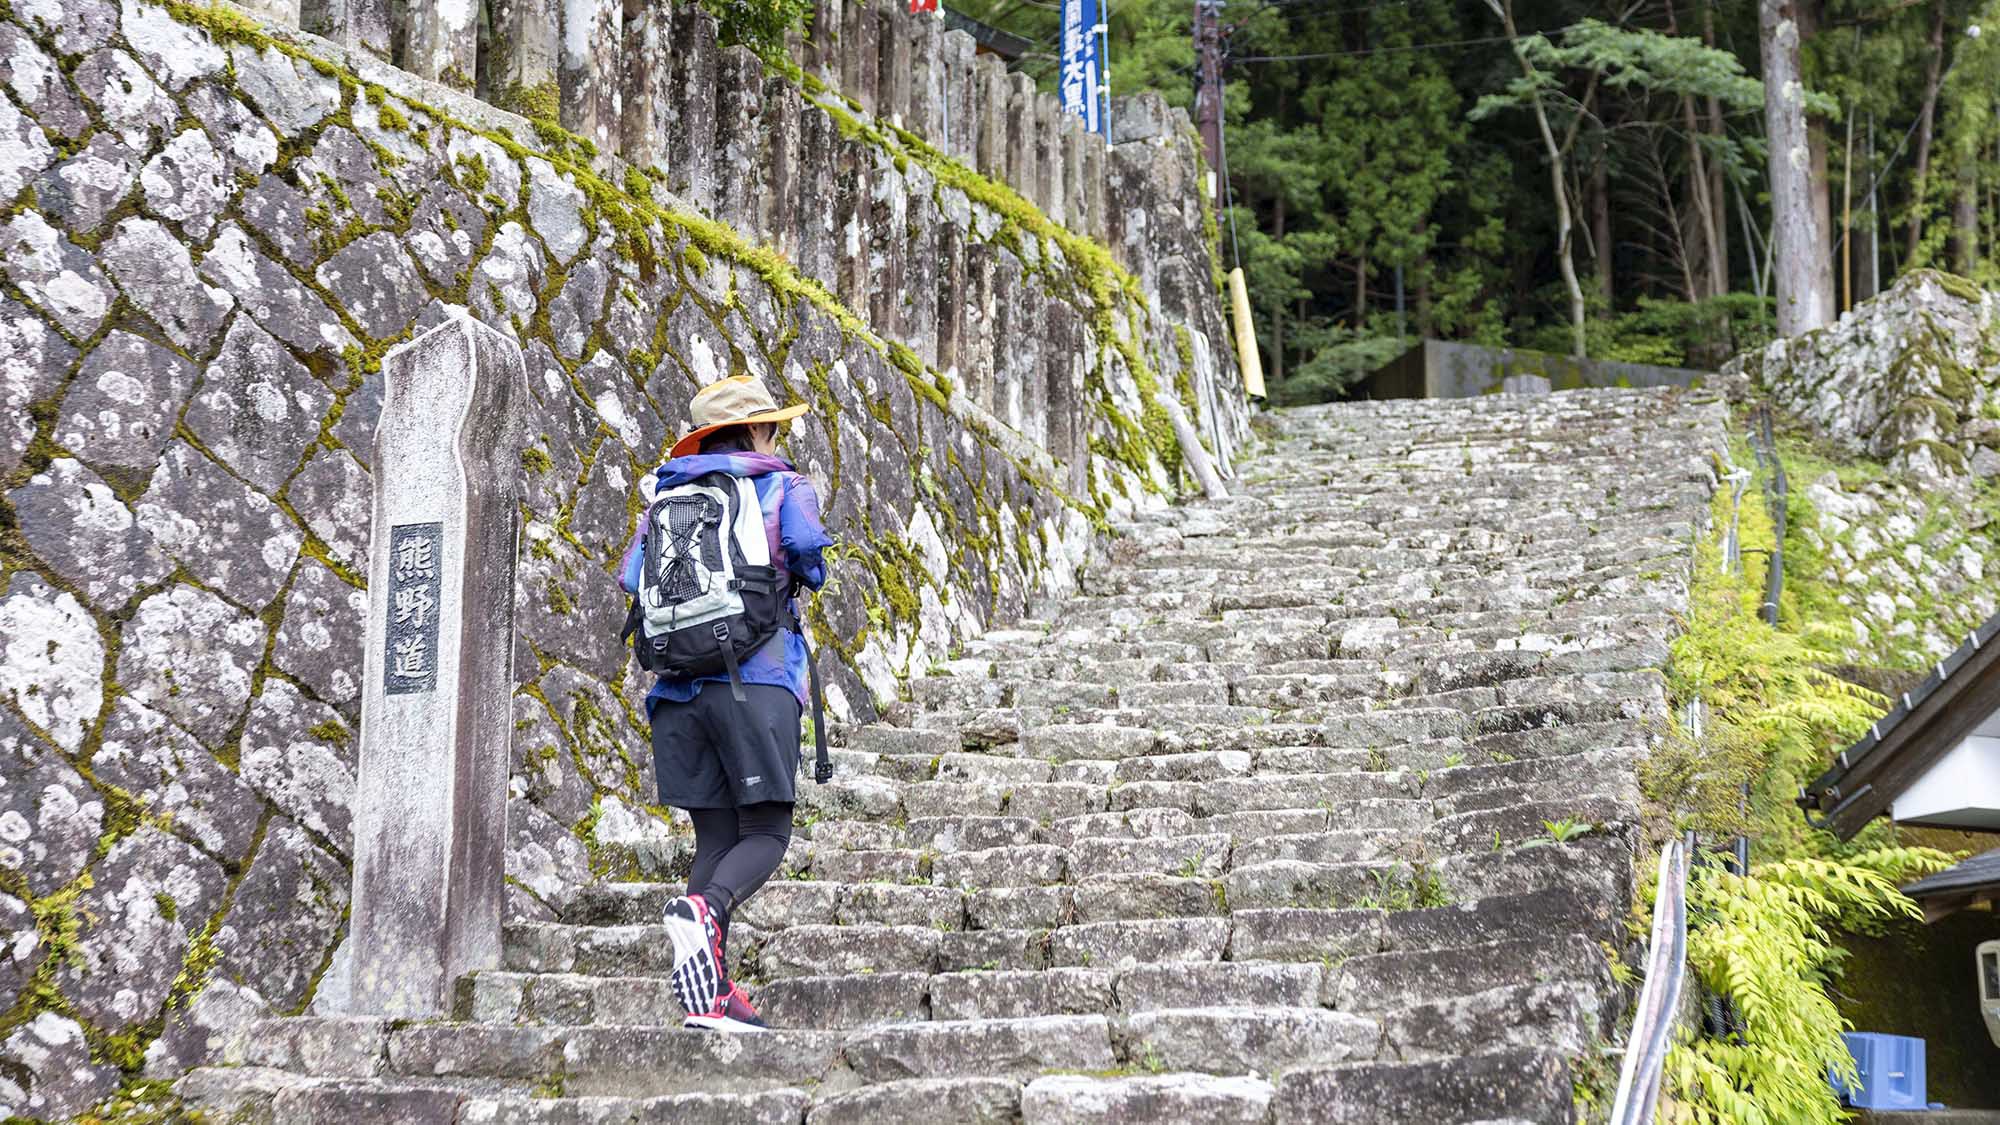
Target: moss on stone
x=1964 y=288
x=333 y=731
x=540 y=102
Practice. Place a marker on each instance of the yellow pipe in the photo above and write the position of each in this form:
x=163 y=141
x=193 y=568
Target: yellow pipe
x=1246 y=335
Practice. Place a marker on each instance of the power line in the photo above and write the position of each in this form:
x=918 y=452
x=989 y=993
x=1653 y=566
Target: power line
x=1440 y=46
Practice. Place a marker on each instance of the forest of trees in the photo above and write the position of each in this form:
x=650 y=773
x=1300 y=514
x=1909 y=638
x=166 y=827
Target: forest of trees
x=1389 y=164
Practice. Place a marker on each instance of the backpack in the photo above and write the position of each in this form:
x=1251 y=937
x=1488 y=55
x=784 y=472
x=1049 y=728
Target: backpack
x=708 y=596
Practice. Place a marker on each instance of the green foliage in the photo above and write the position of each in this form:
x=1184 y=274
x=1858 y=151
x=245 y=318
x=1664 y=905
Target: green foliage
x=1340 y=357
x=760 y=25
x=1670 y=332
x=1767 y=940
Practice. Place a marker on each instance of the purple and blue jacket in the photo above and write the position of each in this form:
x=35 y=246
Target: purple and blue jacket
x=791 y=523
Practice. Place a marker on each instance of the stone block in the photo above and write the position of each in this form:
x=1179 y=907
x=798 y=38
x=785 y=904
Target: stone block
x=1117 y=945
x=648 y=1062
x=1243 y=1040
x=1528 y=1085
x=973 y=1101
x=1074 y=1100
x=833 y=1002
x=1020 y=994
x=978 y=1048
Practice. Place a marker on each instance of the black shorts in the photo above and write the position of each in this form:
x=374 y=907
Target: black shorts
x=715 y=753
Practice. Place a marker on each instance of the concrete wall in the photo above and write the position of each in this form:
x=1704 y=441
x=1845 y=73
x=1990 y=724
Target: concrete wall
x=1442 y=369
x=209 y=234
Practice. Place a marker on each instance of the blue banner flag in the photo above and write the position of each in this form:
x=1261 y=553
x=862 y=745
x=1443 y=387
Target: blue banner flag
x=1083 y=85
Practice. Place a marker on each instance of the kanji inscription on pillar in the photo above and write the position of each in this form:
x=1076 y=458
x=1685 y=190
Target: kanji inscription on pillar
x=416 y=557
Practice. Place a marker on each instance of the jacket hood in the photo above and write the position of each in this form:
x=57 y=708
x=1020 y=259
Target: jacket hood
x=681 y=470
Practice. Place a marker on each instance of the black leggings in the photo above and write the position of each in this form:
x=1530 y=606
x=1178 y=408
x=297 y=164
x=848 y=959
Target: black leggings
x=735 y=851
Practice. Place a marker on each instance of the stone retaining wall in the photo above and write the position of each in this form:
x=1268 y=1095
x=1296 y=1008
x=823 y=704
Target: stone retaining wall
x=209 y=235
x=651 y=83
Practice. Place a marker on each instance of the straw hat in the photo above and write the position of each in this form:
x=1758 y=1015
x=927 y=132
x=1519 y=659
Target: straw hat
x=738 y=400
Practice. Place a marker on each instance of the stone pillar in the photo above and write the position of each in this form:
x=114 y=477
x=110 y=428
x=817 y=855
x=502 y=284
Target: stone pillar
x=443 y=43
x=524 y=71
x=1021 y=163
x=739 y=107
x=1068 y=430
x=895 y=82
x=430 y=799
x=951 y=296
x=861 y=63
x=1047 y=127
x=854 y=221
x=356 y=24
x=1093 y=187
x=644 y=100
x=818 y=204
x=692 y=136
x=780 y=211
x=981 y=331
x=925 y=117
x=823 y=55
x=991 y=98
x=590 y=72
x=887 y=245
x=1073 y=136
x=920 y=267
x=961 y=119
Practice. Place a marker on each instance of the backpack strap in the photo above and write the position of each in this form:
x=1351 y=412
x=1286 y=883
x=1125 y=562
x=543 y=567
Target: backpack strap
x=721 y=631
x=822 y=764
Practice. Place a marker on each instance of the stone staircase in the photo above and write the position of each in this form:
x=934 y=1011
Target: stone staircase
x=1316 y=805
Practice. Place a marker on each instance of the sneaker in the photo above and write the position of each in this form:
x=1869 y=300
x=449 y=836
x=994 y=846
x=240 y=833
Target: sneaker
x=697 y=978
x=737 y=1004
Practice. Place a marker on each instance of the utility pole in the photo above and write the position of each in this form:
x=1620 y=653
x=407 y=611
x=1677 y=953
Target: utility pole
x=1208 y=89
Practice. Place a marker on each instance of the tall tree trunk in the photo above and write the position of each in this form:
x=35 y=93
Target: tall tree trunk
x=1578 y=348
x=1278 y=306
x=1600 y=227
x=1718 y=199
x=1926 y=119
x=1423 y=283
x=1361 y=291
x=1808 y=13
x=1713 y=276
x=1965 y=224
x=1866 y=236
x=1804 y=266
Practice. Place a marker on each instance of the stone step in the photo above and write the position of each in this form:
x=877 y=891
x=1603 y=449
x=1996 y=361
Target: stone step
x=860 y=1000
x=283 y=1098
x=1510 y=1085
x=1381 y=982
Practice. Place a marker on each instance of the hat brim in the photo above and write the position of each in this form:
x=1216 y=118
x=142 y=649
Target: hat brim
x=691 y=443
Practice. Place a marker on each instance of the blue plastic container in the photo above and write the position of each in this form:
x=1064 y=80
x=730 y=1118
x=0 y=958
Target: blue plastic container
x=1891 y=1070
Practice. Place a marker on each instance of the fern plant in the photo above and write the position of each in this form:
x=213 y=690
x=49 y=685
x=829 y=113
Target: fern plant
x=1770 y=939
x=1766 y=940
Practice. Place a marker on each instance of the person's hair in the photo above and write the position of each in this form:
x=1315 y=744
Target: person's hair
x=732 y=439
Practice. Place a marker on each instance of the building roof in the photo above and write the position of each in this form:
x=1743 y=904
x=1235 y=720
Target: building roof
x=1926 y=722
x=1975 y=880
x=990 y=39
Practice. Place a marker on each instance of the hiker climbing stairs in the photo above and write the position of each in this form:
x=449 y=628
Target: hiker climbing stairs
x=1318 y=803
